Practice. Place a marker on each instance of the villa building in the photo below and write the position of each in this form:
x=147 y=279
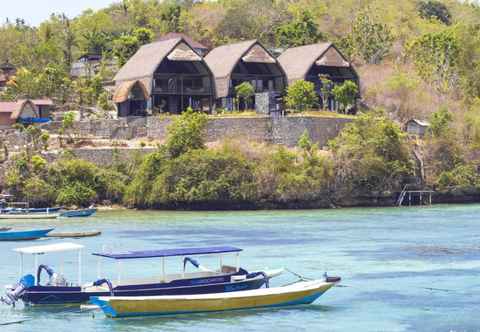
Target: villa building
x=246 y=61
x=318 y=63
x=164 y=76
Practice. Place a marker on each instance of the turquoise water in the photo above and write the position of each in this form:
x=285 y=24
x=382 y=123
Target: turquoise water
x=403 y=269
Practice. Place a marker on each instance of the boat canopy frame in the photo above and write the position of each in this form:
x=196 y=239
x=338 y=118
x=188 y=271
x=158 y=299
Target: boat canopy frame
x=164 y=253
x=52 y=248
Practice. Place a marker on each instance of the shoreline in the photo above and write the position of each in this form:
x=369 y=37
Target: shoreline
x=438 y=198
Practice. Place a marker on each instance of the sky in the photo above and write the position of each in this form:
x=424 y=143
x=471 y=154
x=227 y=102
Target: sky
x=36 y=11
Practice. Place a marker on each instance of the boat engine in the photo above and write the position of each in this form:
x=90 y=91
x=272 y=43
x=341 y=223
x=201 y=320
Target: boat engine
x=13 y=294
x=331 y=279
x=195 y=263
x=55 y=279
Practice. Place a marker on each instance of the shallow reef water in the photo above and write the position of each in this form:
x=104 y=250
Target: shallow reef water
x=403 y=269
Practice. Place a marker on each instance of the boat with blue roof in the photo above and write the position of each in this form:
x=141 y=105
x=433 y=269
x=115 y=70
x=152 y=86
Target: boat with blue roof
x=57 y=290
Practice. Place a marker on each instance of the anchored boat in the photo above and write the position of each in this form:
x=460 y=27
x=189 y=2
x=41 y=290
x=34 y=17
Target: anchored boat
x=302 y=292
x=56 y=290
x=33 y=234
x=79 y=213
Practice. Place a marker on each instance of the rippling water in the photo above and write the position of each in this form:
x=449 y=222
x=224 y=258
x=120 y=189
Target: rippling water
x=403 y=269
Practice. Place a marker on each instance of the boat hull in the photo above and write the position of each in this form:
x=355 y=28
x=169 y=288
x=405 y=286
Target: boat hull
x=78 y=213
x=300 y=293
x=45 y=295
x=74 y=234
x=28 y=216
x=24 y=235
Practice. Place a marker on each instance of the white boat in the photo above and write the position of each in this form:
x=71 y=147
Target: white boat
x=11 y=216
x=302 y=292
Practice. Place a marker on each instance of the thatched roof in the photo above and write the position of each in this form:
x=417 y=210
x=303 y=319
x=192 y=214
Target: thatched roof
x=123 y=91
x=297 y=61
x=15 y=108
x=193 y=44
x=142 y=65
x=223 y=59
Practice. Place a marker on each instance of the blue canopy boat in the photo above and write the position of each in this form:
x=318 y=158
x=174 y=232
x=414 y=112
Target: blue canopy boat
x=79 y=213
x=24 y=235
x=58 y=291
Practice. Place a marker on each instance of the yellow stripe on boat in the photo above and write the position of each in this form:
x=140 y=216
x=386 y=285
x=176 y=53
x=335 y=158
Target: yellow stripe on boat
x=299 y=293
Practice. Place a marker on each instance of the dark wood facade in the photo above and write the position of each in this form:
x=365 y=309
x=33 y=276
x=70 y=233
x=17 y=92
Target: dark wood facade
x=181 y=84
x=320 y=64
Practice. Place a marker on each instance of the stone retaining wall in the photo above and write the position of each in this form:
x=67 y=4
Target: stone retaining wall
x=103 y=156
x=277 y=130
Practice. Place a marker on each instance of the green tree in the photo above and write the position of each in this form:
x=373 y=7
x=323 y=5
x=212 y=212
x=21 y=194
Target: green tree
x=302 y=30
x=346 y=94
x=245 y=91
x=435 y=56
x=38 y=192
x=433 y=9
x=186 y=133
x=124 y=48
x=371 y=155
x=143 y=35
x=76 y=194
x=371 y=39
x=301 y=96
x=440 y=122
x=96 y=42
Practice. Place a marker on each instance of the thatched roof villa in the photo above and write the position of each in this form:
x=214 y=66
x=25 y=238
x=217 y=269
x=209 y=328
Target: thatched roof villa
x=309 y=62
x=246 y=61
x=164 y=76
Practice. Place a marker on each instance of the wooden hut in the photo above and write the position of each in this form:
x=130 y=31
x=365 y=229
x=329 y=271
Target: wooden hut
x=317 y=61
x=24 y=111
x=246 y=61
x=164 y=76
x=416 y=127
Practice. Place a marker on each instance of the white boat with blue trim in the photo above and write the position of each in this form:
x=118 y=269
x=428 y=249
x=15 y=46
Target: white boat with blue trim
x=302 y=292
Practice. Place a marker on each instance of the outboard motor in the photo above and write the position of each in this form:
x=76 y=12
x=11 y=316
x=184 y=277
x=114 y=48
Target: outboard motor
x=15 y=293
x=104 y=281
x=55 y=279
x=331 y=279
x=195 y=263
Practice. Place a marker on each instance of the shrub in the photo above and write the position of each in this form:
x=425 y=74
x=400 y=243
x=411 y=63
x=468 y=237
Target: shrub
x=38 y=192
x=371 y=154
x=186 y=133
x=440 y=122
x=204 y=176
x=434 y=9
x=245 y=91
x=463 y=176
x=76 y=194
x=346 y=94
x=138 y=190
x=301 y=96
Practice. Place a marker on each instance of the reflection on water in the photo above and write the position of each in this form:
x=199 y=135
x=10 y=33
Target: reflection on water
x=406 y=269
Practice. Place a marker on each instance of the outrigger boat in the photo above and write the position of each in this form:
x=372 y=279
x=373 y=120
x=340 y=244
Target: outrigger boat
x=30 y=210
x=58 y=291
x=24 y=235
x=302 y=292
x=78 y=213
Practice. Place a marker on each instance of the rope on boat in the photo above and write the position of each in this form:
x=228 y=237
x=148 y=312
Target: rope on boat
x=299 y=276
